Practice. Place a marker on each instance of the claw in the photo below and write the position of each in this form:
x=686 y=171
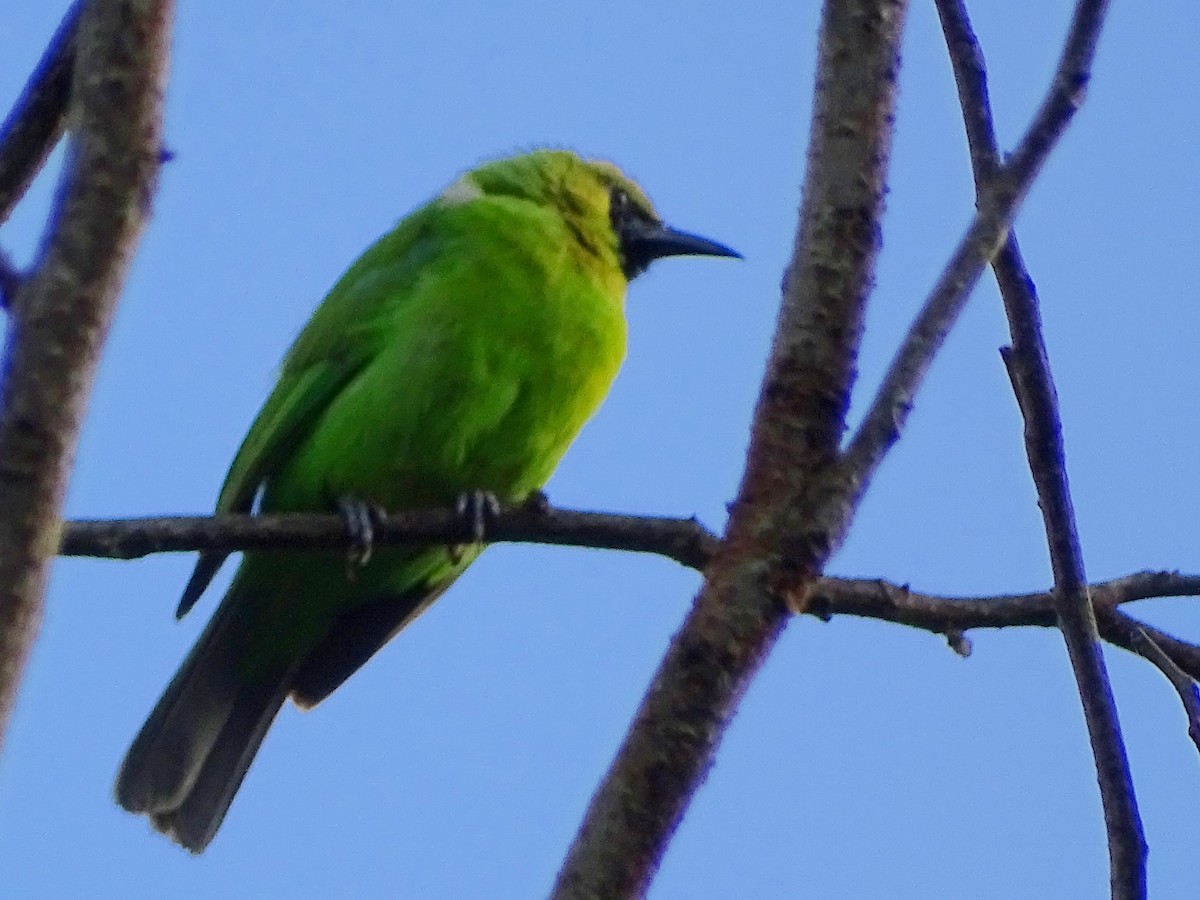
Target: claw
x=360 y=519
x=475 y=509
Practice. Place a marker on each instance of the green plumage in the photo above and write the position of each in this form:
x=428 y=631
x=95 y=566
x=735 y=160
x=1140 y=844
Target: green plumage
x=462 y=352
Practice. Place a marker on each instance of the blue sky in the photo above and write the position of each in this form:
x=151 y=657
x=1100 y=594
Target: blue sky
x=867 y=760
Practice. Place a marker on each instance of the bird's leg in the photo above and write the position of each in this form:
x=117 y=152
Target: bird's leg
x=475 y=509
x=360 y=519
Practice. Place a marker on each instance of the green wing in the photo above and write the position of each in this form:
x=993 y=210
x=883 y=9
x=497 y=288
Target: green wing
x=344 y=334
x=285 y=419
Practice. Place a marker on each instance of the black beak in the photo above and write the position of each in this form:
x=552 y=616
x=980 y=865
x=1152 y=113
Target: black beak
x=643 y=241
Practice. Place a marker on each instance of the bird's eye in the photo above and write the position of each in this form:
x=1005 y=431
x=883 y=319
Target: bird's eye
x=618 y=205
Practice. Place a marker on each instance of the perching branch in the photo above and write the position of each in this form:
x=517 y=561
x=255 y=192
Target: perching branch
x=684 y=540
x=36 y=122
x=56 y=331
x=1029 y=369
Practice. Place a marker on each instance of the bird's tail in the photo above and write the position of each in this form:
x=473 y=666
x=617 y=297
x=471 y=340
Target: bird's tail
x=190 y=757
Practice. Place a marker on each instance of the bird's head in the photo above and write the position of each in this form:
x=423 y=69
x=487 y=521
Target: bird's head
x=607 y=212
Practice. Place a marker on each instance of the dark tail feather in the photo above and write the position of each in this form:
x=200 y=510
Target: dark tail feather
x=194 y=823
x=191 y=755
x=354 y=638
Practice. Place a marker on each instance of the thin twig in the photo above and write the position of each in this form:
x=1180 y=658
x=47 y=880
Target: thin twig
x=1185 y=685
x=952 y=616
x=56 y=332
x=1033 y=384
x=997 y=206
x=684 y=540
x=36 y=122
x=1121 y=630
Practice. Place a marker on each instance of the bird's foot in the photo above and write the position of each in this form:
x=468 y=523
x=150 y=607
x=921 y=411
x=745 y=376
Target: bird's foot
x=360 y=519
x=476 y=509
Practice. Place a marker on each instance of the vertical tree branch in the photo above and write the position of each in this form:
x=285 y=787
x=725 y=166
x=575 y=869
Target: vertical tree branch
x=63 y=312
x=791 y=510
x=1029 y=368
x=37 y=119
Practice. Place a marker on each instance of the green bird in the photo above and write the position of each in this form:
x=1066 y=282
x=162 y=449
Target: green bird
x=458 y=357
